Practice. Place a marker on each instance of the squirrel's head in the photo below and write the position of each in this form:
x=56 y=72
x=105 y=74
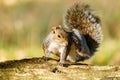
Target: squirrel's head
x=59 y=35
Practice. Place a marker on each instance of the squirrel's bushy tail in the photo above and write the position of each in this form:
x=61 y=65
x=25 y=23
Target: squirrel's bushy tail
x=81 y=17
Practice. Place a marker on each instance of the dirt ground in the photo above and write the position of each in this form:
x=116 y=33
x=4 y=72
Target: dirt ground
x=38 y=69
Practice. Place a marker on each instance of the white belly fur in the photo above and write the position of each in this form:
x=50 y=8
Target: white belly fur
x=55 y=47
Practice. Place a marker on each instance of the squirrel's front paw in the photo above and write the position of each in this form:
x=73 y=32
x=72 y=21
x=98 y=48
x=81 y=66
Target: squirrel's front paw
x=45 y=58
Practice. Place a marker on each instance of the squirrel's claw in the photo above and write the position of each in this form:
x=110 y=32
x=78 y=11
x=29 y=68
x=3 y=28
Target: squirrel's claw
x=63 y=64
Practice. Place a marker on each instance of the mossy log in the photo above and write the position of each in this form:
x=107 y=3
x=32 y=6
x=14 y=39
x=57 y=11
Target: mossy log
x=38 y=69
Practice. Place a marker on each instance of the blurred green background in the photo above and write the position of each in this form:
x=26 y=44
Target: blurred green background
x=25 y=23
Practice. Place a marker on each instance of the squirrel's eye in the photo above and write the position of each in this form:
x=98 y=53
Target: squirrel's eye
x=59 y=36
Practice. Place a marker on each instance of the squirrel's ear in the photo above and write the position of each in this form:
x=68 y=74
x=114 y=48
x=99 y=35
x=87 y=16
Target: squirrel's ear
x=60 y=26
x=53 y=29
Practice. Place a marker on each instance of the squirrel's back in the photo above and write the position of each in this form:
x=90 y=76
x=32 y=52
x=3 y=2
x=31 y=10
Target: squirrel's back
x=81 y=17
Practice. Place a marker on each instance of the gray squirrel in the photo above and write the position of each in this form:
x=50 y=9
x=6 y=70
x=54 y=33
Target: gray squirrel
x=78 y=38
x=56 y=42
